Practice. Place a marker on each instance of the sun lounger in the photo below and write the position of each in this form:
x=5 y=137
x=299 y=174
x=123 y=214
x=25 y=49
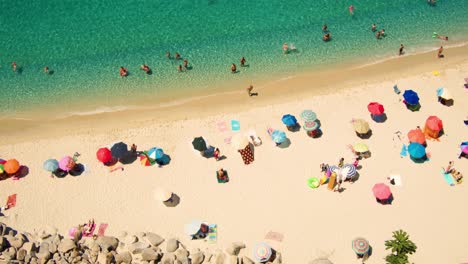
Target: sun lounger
x=332 y=182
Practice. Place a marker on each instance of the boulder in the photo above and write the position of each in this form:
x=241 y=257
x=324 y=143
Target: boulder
x=53 y=247
x=218 y=257
x=44 y=252
x=56 y=257
x=154 y=239
x=278 y=259
x=232 y=260
x=21 y=254
x=246 y=260
x=172 y=245
x=124 y=257
x=29 y=246
x=10 y=253
x=149 y=254
x=234 y=248
x=182 y=255
x=65 y=246
x=104 y=258
x=51 y=261
x=122 y=234
x=3 y=229
x=3 y=243
x=27 y=258
x=107 y=242
x=168 y=258
x=130 y=239
x=138 y=247
x=197 y=257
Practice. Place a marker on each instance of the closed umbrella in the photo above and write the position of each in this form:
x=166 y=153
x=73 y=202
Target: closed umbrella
x=411 y=97
x=119 y=150
x=199 y=144
x=308 y=115
x=310 y=126
x=155 y=153
x=361 y=126
x=239 y=141
x=104 y=155
x=416 y=135
x=360 y=245
x=289 y=120
x=381 y=191
x=278 y=136
x=360 y=147
x=416 y=150
x=11 y=166
x=67 y=163
x=51 y=165
x=262 y=252
x=375 y=108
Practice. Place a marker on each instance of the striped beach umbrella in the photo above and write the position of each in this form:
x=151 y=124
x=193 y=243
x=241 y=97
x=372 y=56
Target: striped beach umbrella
x=349 y=170
x=145 y=161
x=360 y=245
x=334 y=168
x=155 y=153
x=278 y=136
x=308 y=115
x=310 y=126
x=262 y=252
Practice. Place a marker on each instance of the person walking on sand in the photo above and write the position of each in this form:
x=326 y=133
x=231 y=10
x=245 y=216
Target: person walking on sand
x=401 y=49
x=449 y=167
x=439 y=53
x=249 y=90
x=242 y=62
x=13 y=66
x=216 y=154
x=233 y=68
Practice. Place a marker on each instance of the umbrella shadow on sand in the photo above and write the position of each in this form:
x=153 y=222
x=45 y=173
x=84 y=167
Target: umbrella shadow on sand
x=128 y=158
x=77 y=170
x=173 y=202
x=286 y=143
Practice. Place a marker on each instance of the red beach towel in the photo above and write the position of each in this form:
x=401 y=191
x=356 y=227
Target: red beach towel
x=247 y=155
x=11 y=201
x=102 y=229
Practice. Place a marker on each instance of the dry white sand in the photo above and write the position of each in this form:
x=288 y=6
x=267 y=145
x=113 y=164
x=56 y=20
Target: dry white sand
x=271 y=194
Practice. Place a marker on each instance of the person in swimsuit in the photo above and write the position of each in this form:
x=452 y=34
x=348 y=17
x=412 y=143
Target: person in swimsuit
x=177 y=56
x=401 y=49
x=145 y=68
x=46 y=70
x=13 y=66
x=439 y=53
x=285 y=48
x=179 y=68
x=326 y=37
x=325 y=28
x=233 y=68
x=351 y=10
x=168 y=54
x=382 y=32
x=185 y=63
x=378 y=34
x=442 y=37
x=242 y=62
x=374 y=27
x=123 y=71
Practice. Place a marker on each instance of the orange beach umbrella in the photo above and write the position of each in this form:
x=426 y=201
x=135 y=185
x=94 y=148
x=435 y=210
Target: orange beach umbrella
x=11 y=166
x=416 y=135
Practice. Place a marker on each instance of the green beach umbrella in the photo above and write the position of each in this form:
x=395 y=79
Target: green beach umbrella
x=310 y=126
x=308 y=115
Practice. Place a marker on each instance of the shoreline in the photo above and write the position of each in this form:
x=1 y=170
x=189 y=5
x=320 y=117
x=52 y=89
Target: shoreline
x=344 y=76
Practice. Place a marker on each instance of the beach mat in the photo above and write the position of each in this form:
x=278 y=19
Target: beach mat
x=212 y=233
x=274 y=236
x=11 y=201
x=102 y=229
x=235 y=125
x=222 y=126
x=448 y=178
x=332 y=182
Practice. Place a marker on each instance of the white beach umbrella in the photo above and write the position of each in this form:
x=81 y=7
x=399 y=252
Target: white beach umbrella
x=162 y=195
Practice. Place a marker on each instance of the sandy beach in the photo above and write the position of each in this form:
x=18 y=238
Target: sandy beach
x=271 y=194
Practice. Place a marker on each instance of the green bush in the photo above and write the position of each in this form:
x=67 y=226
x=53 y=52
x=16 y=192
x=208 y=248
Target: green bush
x=401 y=246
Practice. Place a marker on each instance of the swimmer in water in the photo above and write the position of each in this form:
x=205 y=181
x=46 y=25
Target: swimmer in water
x=46 y=70
x=326 y=37
x=442 y=37
x=145 y=68
x=351 y=10
x=401 y=50
x=285 y=48
x=374 y=27
x=378 y=34
x=177 y=56
x=324 y=28
x=168 y=54
x=123 y=71
x=13 y=66
x=382 y=32
x=233 y=68
x=242 y=62
x=179 y=68
x=185 y=63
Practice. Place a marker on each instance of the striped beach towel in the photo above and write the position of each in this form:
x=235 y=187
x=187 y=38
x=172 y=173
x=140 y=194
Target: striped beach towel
x=212 y=233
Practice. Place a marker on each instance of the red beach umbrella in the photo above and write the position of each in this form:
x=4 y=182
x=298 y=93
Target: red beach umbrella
x=381 y=191
x=104 y=155
x=375 y=108
x=416 y=135
x=11 y=166
x=434 y=123
x=145 y=161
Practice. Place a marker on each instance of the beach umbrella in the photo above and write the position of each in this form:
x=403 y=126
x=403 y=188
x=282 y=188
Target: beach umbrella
x=444 y=93
x=2 y=169
x=349 y=170
x=360 y=245
x=289 y=120
x=321 y=261
x=240 y=141
x=434 y=123
x=193 y=228
x=416 y=135
x=199 y=144
x=334 y=168
x=310 y=126
x=360 y=147
x=67 y=163
x=361 y=126
x=104 y=155
x=262 y=252
x=375 y=108
x=278 y=136
x=155 y=153
x=464 y=147
x=11 y=166
x=145 y=161
x=51 y=165
x=162 y=195
x=381 y=191
x=308 y=115
x=411 y=97
x=119 y=150
x=416 y=150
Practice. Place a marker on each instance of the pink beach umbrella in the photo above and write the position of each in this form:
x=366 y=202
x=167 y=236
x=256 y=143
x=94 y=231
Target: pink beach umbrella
x=381 y=191
x=66 y=163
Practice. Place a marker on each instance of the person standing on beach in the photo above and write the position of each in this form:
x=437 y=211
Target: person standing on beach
x=401 y=50
x=439 y=54
x=233 y=68
x=249 y=90
x=13 y=66
x=242 y=62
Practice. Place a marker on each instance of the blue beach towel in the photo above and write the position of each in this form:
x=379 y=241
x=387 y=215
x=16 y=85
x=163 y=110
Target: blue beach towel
x=404 y=151
x=448 y=178
x=235 y=125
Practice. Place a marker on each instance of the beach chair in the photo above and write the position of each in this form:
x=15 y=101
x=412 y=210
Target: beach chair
x=256 y=141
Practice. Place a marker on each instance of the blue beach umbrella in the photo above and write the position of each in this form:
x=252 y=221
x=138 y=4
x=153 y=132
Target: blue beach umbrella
x=278 y=136
x=155 y=153
x=308 y=115
x=416 y=150
x=411 y=97
x=289 y=120
x=51 y=165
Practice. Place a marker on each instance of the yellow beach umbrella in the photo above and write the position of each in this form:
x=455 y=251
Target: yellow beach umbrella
x=361 y=126
x=239 y=141
x=360 y=147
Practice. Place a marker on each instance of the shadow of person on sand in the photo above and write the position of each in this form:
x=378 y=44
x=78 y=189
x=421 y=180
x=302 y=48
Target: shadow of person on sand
x=173 y=202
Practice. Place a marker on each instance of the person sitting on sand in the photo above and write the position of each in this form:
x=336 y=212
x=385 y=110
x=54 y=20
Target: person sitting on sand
x=221 y=173
x=123 y=71
x=439 y=53
x=3 y=208
x=285 y=48
x=449 y=167
x=233 y=68
x=374 y=27
x=216 y=153
x=133 y=149
x=341 y=163
x=326 y=37
x=249 y=90
x=145 y=68
x=242 y=62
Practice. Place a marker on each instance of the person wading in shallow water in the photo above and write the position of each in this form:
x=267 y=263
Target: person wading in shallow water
x=233 y=68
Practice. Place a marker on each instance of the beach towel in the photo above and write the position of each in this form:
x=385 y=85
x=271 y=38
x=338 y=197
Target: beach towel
x=102 y=229
x=404 y=151
x=228 y=140
x=448 y=178
x=11 y=201
x=254 y=138
x=332 y=182
x=212 y=233
x=235 y=125
x=247 y=155
x=274 y=236
x=222 y=126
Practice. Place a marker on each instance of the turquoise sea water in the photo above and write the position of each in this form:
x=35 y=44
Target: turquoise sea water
x=85 y=42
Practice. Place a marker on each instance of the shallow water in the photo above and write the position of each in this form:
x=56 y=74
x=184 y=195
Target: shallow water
x=85 y=42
